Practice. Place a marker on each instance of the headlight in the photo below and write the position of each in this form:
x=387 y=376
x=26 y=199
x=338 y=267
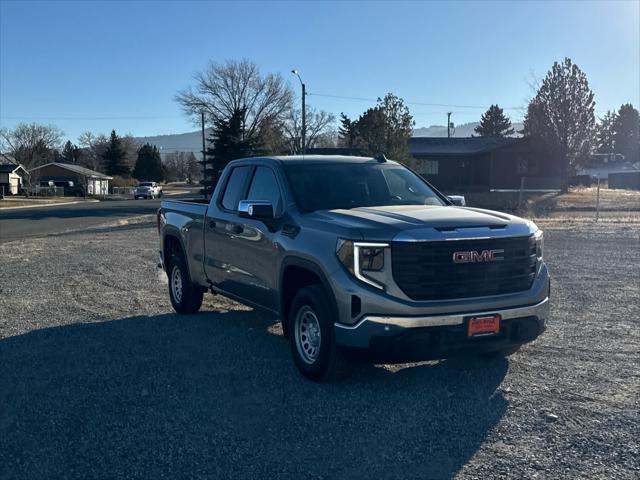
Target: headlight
x=362 y=257
x=344 y=251
x=539 y=238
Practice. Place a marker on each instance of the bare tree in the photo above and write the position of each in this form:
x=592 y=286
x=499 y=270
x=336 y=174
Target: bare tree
x=182 y=167
x=224 y=88
x=318 y=124
x=32 y=144
x=272 y=137
x=93 y=148
x=330 y=138
x=130 y=150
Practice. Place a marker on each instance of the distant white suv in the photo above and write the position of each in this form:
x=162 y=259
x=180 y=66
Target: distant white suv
x=147 y=190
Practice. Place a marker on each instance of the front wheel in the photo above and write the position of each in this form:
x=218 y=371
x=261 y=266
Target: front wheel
x=311 y=336
x=185 y=296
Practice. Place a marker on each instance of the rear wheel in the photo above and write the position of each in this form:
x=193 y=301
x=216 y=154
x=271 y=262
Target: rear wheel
x=185 y=296
x=311 y=336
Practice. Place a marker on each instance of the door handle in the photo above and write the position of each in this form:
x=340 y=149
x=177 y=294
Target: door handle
x=212 y=224
x=237 y=229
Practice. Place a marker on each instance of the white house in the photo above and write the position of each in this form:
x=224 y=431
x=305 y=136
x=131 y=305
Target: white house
x=13 y=176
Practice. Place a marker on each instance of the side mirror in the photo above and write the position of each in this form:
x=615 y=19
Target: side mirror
x=457 y=200
x=258 y=209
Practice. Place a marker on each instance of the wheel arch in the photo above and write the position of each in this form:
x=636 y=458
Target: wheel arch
x=171 y=243
x=295 y=274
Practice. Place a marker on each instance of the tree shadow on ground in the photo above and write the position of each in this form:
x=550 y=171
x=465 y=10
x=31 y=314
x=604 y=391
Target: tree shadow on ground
x=92 y=209
x=214 y=395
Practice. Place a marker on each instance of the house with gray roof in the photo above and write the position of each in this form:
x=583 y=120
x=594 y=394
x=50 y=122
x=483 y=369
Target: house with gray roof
x=484 y=163
x=74 y=178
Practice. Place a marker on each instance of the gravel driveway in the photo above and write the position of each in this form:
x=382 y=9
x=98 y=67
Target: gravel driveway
x=98 y=379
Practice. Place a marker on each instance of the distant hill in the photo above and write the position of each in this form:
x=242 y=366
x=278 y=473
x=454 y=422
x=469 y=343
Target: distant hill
x=462 y=130
x=179 y=142
x=192 y=141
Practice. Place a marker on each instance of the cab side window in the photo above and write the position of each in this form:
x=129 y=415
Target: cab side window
x=264 y=186
x=235 y=188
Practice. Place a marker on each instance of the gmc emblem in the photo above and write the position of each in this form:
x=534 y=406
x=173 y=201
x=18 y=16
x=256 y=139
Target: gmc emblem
x=473 y=256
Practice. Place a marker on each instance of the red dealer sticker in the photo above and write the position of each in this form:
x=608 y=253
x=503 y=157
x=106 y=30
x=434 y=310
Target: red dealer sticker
x=489 y=325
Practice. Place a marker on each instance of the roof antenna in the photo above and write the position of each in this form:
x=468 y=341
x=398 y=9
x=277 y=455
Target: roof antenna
x=380 y=158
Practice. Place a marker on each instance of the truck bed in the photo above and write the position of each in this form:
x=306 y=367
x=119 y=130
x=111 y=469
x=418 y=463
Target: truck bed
x=184 y=219
x=189 y=208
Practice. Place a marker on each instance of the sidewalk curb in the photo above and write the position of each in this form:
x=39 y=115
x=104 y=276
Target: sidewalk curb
x=48 y=205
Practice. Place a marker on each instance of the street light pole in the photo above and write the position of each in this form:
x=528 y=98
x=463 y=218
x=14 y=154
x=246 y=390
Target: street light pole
x=304 y=112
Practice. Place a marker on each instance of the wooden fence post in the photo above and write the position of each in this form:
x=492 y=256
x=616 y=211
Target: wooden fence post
x=598 y=200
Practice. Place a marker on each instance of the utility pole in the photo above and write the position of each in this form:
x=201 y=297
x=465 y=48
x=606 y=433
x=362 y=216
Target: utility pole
x=304 y=121
x=204 y=156
x=449 y=124
x=304 y=113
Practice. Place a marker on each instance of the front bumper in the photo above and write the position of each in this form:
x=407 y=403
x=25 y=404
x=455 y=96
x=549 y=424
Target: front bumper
x=438 y=336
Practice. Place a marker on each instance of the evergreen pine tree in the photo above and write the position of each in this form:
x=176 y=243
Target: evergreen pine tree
x=149 y=164
x=114 y=157
x=494 y=123
x=347 y=131
x=70 y=153
x=627 y=132
x=227 y=142
x=562 y=116
x=385 y=128
x=605 y=132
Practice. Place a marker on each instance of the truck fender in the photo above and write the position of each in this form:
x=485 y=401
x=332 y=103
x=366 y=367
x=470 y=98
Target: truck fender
x=316 y=270
x=174 y=234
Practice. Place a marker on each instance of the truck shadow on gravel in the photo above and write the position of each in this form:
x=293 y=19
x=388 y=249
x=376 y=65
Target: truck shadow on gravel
x=215 y=395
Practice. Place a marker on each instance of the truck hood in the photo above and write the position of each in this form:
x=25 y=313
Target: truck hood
x=384 y=223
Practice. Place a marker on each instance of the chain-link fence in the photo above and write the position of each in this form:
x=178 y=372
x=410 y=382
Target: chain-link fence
x=122 y=190
x=46 y=191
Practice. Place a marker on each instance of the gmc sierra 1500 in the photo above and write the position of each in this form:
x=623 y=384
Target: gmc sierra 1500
x=357 y=254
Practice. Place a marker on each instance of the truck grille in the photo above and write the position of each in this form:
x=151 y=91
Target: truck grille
x=426 y=270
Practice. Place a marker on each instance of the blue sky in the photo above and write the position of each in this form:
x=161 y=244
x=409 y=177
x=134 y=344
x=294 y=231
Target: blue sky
x=97 y=65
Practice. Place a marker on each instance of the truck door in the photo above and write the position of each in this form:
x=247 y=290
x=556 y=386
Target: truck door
x=250 y=250
x=219 y=223
x=245 y=255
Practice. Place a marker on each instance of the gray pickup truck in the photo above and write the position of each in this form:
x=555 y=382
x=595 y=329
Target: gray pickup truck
x=358 y=256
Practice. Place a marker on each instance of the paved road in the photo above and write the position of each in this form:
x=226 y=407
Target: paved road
x=35 y=222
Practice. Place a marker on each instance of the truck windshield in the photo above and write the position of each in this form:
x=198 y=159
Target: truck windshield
x=352 y=185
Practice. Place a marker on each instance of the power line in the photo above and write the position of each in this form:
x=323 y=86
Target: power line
x=326 y=95
x=453 y=105
x=363 y=99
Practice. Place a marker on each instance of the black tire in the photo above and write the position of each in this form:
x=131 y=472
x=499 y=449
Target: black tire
x=327 y=363
x=504 y=352
x=186 y=297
